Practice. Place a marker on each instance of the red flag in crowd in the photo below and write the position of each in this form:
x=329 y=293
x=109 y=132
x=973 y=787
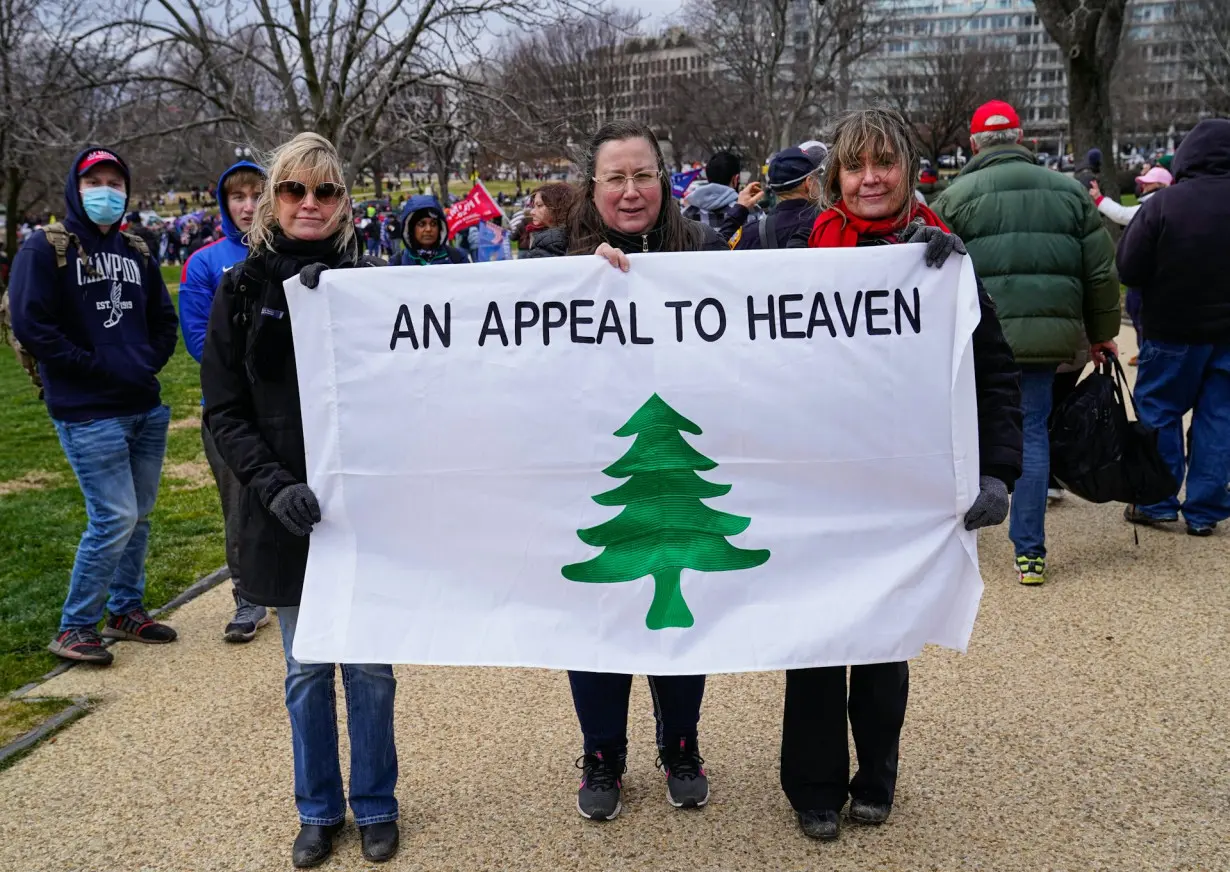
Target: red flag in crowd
x=473 y=208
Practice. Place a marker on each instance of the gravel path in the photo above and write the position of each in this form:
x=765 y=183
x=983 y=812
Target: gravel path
x=1085 y=729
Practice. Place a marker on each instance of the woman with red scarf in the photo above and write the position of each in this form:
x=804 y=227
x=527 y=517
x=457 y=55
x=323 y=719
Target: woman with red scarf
x=867 y=199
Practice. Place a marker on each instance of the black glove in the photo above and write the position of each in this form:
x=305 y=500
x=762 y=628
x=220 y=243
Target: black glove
x=310 y=276
x=939 y=243
x=296 y=507
x=991 y=507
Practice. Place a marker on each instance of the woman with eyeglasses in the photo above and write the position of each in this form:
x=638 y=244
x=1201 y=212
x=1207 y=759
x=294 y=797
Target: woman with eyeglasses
x=301 y=226
x=624 y=207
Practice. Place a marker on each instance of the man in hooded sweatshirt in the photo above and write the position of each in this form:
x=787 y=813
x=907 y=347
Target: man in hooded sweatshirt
x=719 y=197
x=1175 y=252
x=93 y=310
x=425 y=233
x=239 y=189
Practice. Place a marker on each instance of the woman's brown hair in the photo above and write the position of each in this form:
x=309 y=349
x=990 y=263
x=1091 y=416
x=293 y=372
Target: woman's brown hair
x=883 y=133
x=558 y=198
x=586 y=229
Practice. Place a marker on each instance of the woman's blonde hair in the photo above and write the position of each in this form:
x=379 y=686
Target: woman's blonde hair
x=883 y=133
x=311 y=159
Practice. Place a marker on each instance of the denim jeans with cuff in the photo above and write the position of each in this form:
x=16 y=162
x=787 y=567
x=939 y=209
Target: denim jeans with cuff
x=118 y=463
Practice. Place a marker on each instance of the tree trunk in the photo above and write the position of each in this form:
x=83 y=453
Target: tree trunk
x=1089 y=117
x=668 y=608
x=12 y=204
x=378 y=178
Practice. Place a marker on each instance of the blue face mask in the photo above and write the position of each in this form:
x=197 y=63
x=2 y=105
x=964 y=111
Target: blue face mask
x=104 y=205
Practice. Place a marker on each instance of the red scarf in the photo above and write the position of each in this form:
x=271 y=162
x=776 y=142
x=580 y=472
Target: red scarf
x=835 y=227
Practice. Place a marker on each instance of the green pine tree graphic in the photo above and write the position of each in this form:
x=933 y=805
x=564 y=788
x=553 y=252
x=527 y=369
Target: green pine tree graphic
x=664 y=527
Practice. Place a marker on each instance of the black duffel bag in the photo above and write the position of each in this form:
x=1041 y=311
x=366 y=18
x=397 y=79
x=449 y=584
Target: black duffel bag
x=1100 y=455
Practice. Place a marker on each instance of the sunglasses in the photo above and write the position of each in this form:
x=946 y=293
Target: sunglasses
x=326 y=193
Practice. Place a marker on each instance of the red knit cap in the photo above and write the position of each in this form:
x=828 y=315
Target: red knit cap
x=995 y=115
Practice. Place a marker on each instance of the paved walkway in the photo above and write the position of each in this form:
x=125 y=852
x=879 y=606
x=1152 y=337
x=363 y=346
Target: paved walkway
x=1086 y=729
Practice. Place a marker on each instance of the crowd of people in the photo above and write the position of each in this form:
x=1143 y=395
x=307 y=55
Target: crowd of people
x=90 y=305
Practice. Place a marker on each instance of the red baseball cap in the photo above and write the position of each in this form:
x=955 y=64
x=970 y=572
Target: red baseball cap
x=995 y=115
x=96 y=156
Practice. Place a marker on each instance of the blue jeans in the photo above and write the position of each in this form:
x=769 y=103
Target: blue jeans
x=118 y=462
x=1027 y=521
x=312 y=704
x=1172 y=380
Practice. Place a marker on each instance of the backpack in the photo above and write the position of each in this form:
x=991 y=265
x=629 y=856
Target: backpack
x=1098 y=453
x=768 y=230
x=60 y=238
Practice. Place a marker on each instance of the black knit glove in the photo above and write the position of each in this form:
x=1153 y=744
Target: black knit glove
x=310 y=276
x=296 y=507
x=939 y=244
x=991 y=507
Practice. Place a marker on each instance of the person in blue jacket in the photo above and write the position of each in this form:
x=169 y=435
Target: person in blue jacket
x=89 y=303
x=424 y=230
x=239 y=189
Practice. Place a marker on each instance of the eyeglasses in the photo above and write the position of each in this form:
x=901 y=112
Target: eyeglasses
x=326 y=193
x=617 y=182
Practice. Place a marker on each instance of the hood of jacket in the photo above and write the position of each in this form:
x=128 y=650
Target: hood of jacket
x=1204 y=152
x=232 y=232
x=417 y=207
x=75 y=218
x=712 y=197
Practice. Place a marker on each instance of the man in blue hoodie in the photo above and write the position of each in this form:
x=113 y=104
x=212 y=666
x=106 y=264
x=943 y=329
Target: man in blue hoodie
x=239 y=189
x=89 y=303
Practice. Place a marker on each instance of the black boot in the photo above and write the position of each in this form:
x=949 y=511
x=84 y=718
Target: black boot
x=380 y=841
x=314 y=844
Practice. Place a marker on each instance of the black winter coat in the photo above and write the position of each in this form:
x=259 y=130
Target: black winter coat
x=787 y=218
x=1175 y=249
x=251 y=385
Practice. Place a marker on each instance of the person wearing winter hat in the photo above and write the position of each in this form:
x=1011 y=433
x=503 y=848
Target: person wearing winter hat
x=1038 y=243
x=1150 y=183
x=89 y=303
x=425 y=232
x=793 y=178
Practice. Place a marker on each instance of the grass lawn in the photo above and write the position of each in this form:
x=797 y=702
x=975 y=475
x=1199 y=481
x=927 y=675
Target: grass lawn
x=42 y=514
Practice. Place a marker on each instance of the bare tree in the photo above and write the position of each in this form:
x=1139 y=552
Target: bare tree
x=1089 y=33
x=336 y=68
x=938 y=93
x=564 y=81
x=1204 y=27
x=786 y=64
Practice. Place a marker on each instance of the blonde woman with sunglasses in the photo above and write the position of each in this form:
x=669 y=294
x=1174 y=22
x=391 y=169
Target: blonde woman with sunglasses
x=301 y=226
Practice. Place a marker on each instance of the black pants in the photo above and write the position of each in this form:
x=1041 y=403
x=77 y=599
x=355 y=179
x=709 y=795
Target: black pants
x=601 y=700
x=815 y=755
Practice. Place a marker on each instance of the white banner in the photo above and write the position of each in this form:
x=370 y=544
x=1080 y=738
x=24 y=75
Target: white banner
x=712 y=463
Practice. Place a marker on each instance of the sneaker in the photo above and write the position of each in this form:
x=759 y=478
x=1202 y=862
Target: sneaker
x=249 y=618
x=1055 y=494
x=83 y=644
x=822 y=825
x=598 y=797
x=1031 y=570
x=1134 y=515
x=138 y=626
x=1201 y=530
x=687 y=786
x=872 y=813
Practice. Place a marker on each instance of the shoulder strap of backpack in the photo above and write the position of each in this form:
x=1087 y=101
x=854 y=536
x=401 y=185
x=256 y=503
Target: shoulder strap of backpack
x=60 y=238
x=138 y=242
x=768 y=231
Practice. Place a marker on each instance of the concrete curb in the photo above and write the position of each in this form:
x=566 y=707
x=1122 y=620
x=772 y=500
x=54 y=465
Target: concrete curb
x=81 y=704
